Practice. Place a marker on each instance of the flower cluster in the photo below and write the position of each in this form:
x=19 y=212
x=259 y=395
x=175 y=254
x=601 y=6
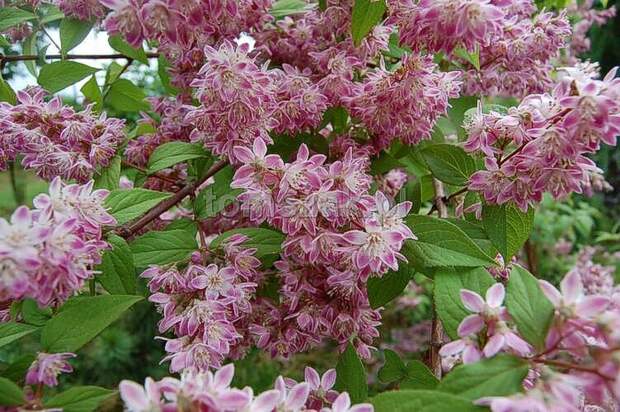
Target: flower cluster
x=47 y=253
x=241 y=102
x=207 y=307
x=237 y=101
x=519 y=62
x=404 y=104
x=82 y=9
x=587 y=16
x=54 y=139
x=212 y=392
x=183 y=28
x=490 y=316
x=541 y=145
x=337 y=236
x=320 y=41
x=582 y=343
x=514 y=44
x=46 y=368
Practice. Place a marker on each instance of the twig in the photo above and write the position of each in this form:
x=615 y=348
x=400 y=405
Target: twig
x=156 y=174
x=50 y=37
x=18 y=191
x=128 y=231
x=436 y=328
x=532 y=259
x=22 y=57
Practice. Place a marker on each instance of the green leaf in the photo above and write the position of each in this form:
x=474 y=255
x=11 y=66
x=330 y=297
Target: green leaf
x=528 y=306
x=118 y=274
x=109 y=177
x=393 y=369
x=81 y=319
x=501 y=375
x=351 y=375
x=471 y=57
x=449 y=163
x=79 y=399
x=126 y=205
x=12 y=16
x=92 y=93
x=162 y=247
x=282 y=8
x=338 y=117
x=456 y=114
x=62 y=74
x=12 y=331
x=10 y=393
x=365 y=15
x=164 y=76
x=447 y=294
x=267 y=242
x=507 y=227
x=121 y=46
x=382 y=290
x=33 y=315
x=123 y=95
x=17 y=369
x=49 y=13
x=29 y=46
x=418 y=376
x=172 y=153
x=413 y=376
x=113 y=72
x=441 y=244
x=72 y=33
x=6 y=92
x=215 y=197
x=421 y=401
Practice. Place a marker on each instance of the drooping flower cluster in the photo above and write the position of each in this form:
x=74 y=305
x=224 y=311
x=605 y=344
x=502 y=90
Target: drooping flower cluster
x=491 y=321
x=443 y=25
x=241 y=102
x=237 y=101
x=92 y=10
x=46 y=368
x=541 y=145
x=54 y=139
x=182 y=29
x=586 y=16
x=320 y=41
x=337 y=236
x=514 y=44
x=49 y=252
x=207 y=307
x=212 y=392
x=404 y=104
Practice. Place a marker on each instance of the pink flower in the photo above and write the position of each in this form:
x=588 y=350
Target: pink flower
x=343 y=404
x=46 y=368
x=292 y=400
x=571 y=301
x=138 y=398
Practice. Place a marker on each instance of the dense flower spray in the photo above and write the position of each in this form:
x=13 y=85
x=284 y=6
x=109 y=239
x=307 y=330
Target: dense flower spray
x=49 y=252
x=541 y=145
x=54 y=139
x=212 y=391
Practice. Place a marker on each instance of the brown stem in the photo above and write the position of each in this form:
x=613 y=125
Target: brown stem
x=532 y=258
x=566 y=365
x=436 y=329
x=157 y=175
x=127 y=231
x=23 y=57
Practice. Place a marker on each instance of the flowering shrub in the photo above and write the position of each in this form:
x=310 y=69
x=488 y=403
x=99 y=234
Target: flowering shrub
x=276 y=193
